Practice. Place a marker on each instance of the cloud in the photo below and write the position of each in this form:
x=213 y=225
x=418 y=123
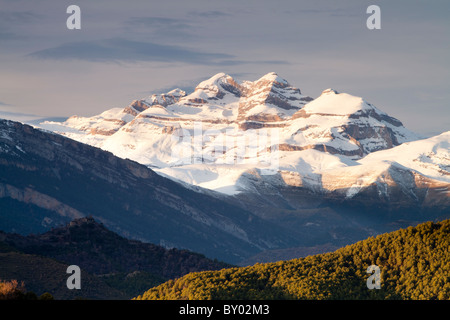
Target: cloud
x=18 y=17
x=10 y=22
x=4 y=104
x=333 y=12
x=186 y=86
x=123 y=50
x=229 y=62
x=119 y=49
x=10 y=36
x=162 y=27
x=157 y=22
x=209 y=14
x=16 y=114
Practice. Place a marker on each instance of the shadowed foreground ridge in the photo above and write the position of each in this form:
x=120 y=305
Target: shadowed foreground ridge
x=414 y=263
x=112 y=266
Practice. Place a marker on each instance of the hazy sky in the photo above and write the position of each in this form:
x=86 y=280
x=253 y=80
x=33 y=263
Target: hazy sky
x=127 y=50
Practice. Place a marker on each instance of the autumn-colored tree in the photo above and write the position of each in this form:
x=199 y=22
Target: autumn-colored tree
x=11 y=290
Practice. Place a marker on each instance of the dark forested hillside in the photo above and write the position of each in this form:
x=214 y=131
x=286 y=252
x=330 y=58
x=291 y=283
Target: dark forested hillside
x=414 y=264
x=41 y=274
x=128 y=266
x=89 y=244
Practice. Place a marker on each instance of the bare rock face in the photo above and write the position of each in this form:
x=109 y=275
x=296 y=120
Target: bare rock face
x=136 y=107
x=270 y=90
x=164 y=99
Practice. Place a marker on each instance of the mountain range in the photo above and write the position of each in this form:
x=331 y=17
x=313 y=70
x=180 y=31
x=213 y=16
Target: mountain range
x=228 y=136
x=334 y=168
x=236 y=170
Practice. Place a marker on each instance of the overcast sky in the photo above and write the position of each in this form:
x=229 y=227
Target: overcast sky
x=127 y=50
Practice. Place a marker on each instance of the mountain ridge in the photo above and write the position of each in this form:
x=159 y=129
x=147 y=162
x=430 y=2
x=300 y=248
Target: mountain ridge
x=47 y=179
x=90 y=245
x=248 y=124
x=330 y=170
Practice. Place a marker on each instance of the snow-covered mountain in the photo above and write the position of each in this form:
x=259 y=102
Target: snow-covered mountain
x=234 y=137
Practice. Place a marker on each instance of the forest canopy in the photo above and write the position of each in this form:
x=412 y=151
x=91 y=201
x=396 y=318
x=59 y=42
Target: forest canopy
x=414 y=264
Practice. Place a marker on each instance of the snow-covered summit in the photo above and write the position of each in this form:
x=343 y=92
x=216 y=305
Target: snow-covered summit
x=329 y=91
x=274 y=78
x=214 y=136
x=215 y=81
x=166 y=98
x=333 y=103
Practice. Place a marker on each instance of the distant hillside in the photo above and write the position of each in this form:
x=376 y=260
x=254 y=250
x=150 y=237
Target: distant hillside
x=129 y=266
x=414 y=263
x=41 y=274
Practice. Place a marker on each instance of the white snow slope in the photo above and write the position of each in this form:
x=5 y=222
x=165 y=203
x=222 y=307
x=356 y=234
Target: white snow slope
x=225 y=128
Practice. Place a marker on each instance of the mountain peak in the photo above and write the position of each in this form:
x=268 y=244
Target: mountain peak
x=329 y=91
x=177 y=92
x=165 y=99
x=215 y=80
x=273 y=76
x=89 y=220
x=332 y=102
x=273 y=79
x=216 y=87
